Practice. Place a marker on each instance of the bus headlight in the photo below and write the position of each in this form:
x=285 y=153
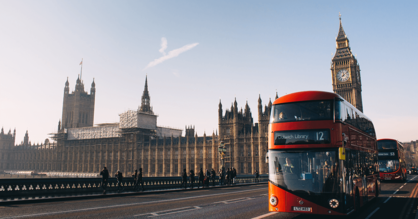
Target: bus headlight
x=273 y=200
x=334 y=203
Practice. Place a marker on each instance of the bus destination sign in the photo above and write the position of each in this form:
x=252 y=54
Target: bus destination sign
x=387 y=154
x=302 y=137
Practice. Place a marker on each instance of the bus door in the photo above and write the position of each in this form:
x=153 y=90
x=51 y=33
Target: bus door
x=348 y=170
x=372 y=174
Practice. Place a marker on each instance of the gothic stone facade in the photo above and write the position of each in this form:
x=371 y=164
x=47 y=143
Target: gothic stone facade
x=246 y=142
x=83 y=148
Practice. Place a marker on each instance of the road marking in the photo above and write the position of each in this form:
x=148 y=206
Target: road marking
x=412 y=179
x=413 y=194
x=175 y=212
x=190 y=208
x=125 y=205
x=234 y=200
x=196 y=207
x=372 y=213
x=156 y=213
x=265 y=215
x=387 y=200
x=403 y=186
x=170 y=211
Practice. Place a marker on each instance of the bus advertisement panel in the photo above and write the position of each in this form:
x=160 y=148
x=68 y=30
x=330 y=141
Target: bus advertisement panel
x=322 y=155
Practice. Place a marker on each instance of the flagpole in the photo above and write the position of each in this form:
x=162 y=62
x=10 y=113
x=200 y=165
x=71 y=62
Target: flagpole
x=81 y=71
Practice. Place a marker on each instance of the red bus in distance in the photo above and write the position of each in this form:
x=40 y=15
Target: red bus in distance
x=392 y=164
x=322 y=155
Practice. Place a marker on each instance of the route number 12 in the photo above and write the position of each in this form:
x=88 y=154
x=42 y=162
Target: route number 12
x=320 y=136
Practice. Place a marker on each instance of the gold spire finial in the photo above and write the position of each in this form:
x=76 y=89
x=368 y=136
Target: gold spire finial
x=339 y=15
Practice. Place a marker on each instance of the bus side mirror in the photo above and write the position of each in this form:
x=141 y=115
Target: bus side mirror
x=267 y=157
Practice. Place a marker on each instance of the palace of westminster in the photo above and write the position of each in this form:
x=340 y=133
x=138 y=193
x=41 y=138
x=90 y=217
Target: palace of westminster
x=136 y=141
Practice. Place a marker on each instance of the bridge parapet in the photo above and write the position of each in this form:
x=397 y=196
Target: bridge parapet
x=12 y=189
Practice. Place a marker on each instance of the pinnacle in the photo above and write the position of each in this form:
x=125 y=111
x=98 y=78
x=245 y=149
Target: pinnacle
x=341 y=33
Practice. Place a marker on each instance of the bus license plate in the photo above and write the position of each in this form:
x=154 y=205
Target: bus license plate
x=302 y=209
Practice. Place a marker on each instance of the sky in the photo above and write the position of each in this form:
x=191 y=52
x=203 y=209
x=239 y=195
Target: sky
x=197 y=53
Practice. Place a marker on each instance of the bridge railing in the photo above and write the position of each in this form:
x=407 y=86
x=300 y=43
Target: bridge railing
x=12 y=189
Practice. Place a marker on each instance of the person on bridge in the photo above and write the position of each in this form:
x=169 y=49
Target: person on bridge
x=257 y=175
x=135 y=176
x=201 y=177
x=234 y=174
x=228 y=176
x=140 y=179
x=213 y=175
x=184 y=179
x=105 y=176
x=207 y=177
x=191 y=174
x=119 y=177
x=222 y=175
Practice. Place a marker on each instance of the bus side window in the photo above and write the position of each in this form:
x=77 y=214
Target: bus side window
x=366 y=163
x=358 y=166
x=364 y=168
x=355 y=164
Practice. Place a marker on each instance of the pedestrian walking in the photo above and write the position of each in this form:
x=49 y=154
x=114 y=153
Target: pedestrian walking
x=140 y=181
x=207 y=177
x=201 y=177
x=223 y=176
x=135 y=176
x=119 y=177
x=105 y=176
x=213 y=175
x=234 y=174
x=220 y=176
x=228 y=177
x=191 y=174
x=184 y=178
x=257 y=175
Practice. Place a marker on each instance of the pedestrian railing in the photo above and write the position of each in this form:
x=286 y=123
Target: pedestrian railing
x=38 y=188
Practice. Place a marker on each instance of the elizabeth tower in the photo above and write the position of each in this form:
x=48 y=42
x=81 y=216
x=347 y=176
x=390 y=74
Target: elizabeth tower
x=345 y=72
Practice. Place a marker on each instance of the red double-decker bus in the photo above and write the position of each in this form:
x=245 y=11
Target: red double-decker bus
x=392 y=164
x=322 y=155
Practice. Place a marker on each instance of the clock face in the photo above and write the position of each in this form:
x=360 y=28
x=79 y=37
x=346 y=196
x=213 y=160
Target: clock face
x=343 y=75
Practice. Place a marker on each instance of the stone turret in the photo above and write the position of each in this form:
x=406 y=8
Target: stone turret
x=78 y=106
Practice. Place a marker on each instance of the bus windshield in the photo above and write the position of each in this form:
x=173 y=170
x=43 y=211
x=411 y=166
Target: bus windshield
x=302 y=111
x=386 y=145
x=310 y=171
x=388 y=166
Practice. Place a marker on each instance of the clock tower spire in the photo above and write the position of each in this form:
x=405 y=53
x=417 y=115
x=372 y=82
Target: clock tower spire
x=345 y=71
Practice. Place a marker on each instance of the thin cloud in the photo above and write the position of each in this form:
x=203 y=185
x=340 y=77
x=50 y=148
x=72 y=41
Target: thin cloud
x=173 y=53
x=163 y=45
